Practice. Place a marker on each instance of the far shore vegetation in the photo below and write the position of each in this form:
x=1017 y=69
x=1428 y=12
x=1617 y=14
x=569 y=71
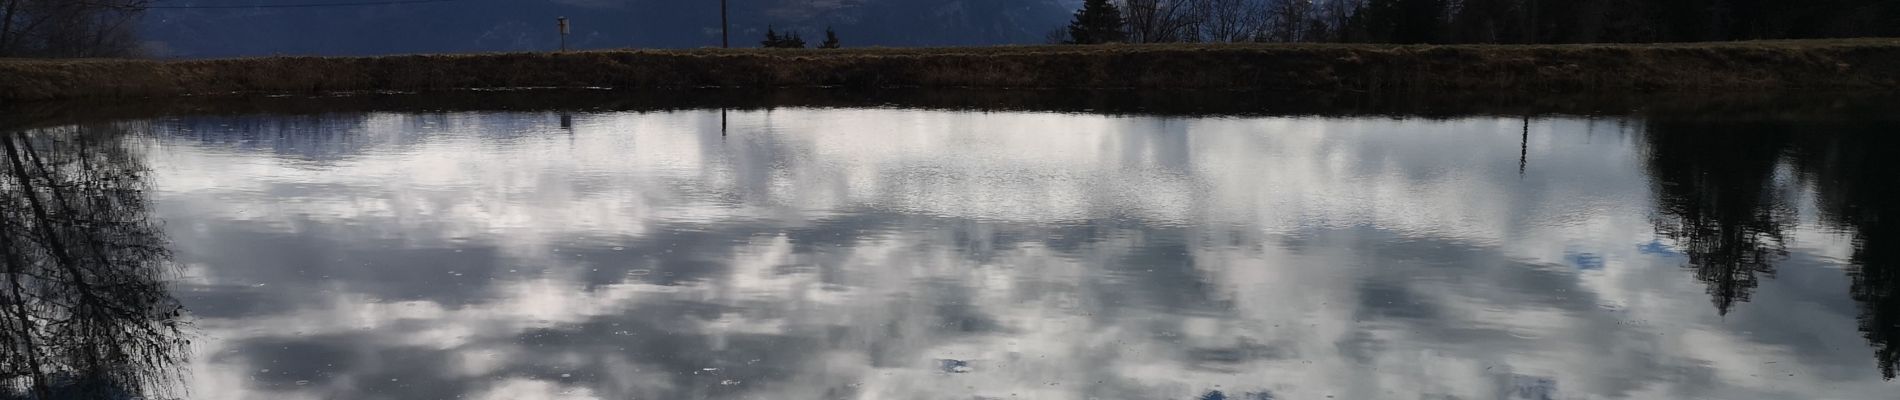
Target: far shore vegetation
x=1839 y=64
x=63 y=49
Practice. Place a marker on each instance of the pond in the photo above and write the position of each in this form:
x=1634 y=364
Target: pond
x=893 y=252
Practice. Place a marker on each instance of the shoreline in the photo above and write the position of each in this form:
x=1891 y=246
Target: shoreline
x=1856 y=105
x=1782 y=65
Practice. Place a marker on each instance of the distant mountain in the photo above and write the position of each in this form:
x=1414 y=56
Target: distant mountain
x=525 y=25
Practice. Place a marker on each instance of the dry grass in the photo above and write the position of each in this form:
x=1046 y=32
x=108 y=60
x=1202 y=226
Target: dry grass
x=1765 y=65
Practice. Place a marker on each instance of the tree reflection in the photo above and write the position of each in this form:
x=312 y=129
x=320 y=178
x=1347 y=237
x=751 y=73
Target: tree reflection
x=83 y=312
x=1853 y=175
x=1717 y=201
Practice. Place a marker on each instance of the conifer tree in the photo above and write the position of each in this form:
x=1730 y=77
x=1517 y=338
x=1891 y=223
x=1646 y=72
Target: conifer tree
x=1097 y=22
x=831 y=39
x=772 y=40
x=795 y=41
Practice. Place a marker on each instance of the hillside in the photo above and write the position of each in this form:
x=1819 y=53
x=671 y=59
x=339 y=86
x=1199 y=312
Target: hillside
x=528 y=25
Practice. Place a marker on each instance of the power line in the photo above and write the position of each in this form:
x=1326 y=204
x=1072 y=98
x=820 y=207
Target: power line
x=308 y=5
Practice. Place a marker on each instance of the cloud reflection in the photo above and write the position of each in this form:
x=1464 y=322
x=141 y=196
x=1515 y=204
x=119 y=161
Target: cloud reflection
x=847 y=253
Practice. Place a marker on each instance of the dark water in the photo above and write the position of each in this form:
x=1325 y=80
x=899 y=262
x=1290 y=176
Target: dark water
x=878 y=253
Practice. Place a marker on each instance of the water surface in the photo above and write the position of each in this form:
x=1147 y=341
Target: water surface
x=883 y=253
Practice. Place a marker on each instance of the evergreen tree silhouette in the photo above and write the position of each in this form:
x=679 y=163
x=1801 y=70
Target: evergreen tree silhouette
x=795 y=41
x=831 y=39
x=1097 y=22
x=772 y=39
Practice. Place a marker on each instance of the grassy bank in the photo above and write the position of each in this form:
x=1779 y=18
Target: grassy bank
x=1749 y=106
x=1772 y=65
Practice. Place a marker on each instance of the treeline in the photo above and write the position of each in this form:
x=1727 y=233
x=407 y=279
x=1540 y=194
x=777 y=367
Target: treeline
x=1476 y=21
x=793 y=40
x=69 y=28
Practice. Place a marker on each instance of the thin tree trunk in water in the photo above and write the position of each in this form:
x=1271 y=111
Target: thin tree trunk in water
x=85 y=292
x=54 y=245
x=25 y=322
x=58 y=198
x=24 y=329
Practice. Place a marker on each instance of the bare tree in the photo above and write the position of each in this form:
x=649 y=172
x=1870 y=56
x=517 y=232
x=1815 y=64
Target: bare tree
x=1230 y=20
x=1339 y=13
x=69 y=28
x=1056 y=36
x=1161 y=21
x=1288 y=20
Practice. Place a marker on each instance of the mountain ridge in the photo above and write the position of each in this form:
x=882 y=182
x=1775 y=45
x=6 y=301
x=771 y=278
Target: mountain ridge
x=528 y=25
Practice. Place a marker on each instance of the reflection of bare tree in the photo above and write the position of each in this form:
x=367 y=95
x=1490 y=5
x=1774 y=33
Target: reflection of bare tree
x=1853 y=176
x=1715 y=195
x=83 y=312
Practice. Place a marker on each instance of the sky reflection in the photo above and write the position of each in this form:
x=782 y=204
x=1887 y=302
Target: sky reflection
x=883 y=253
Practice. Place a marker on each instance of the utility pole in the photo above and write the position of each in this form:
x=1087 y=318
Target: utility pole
x=725 y=37
x=564 y=30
